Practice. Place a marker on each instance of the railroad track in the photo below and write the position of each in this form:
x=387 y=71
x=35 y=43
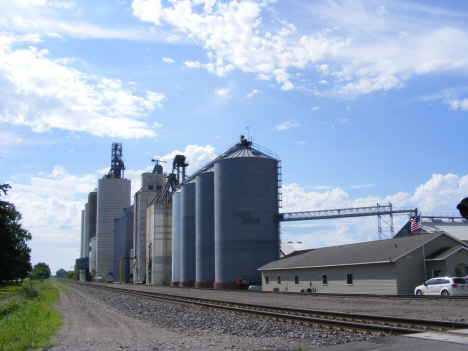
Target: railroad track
x=354 y=322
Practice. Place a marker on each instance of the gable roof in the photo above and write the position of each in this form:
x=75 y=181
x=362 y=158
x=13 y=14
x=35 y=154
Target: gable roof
x=380 y=251
x=443 y=255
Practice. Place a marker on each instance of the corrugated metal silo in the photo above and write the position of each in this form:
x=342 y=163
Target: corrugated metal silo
x=175 y=239
x=246 y=209
x=113 y=197
x=187 y=235
x=204 y=215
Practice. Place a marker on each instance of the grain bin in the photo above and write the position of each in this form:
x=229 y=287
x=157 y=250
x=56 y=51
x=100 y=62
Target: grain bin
x=187 y=235
x=246 y=210
x=204 y=229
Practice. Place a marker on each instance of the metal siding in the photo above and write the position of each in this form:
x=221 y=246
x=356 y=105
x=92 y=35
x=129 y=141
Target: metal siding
x=123 y=237
x=187 y=233
x=246 y=208
x=452 y=261
x=204 y=214
x=113 y=197
x=410 y=271
x=176 y=237
x=368 y=279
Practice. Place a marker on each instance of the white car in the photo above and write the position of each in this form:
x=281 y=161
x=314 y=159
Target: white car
x=445 y=286
x=255 y=288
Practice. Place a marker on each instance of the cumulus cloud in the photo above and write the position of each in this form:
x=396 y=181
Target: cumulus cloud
x=196 y=156
x=286 y=125
x=255 y=91
x=356 y=47
x=222 y=92
x=456 y=104
x=43 y=93
x=229 y=33
x=168 y=60
x=315 y=108
x=441 y=193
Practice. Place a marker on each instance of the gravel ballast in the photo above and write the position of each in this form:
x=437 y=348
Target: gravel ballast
x=105 y=320
x=115 y=321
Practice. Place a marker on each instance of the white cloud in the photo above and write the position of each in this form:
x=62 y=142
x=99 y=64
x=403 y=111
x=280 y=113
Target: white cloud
x=196 y=156
x=286 y=125
x=168 y=60
x=343 y=120
x=441 y=193
x=456 y=104
x=43 y=94
x=255 y=91
x=222 y=92
x=314 y=108
x=62 y=19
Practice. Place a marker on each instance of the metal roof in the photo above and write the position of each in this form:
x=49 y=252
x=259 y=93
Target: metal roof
x=380 y=251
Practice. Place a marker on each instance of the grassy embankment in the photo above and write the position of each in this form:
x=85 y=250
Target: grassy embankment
x=27 y=317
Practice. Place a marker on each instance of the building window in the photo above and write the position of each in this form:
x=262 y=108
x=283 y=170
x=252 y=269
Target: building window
x=296 y=280
x=159 y=187
x=267 y=280
x=349 y=279
x=279 y=279
x=436 y=273
x=150 y=187
x=324 y=279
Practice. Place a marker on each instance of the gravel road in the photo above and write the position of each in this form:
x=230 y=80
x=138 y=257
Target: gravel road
x=100 y=320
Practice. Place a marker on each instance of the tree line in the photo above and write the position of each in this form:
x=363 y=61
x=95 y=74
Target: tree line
x=15 y=258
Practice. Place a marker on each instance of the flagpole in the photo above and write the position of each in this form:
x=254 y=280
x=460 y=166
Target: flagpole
x=424 y=253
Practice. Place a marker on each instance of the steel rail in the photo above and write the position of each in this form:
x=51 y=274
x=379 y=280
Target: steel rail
x=341 y=320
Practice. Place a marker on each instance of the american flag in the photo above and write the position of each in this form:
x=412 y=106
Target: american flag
x=416 y=223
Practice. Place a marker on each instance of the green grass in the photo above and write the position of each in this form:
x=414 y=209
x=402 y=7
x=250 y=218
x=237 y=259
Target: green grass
x=9 y=289
x=27 y=317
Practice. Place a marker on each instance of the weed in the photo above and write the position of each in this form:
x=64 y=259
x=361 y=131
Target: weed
x=27 y=318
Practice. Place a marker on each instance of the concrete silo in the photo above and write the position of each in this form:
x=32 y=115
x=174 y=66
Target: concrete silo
x=187 y=235
x=246 y=215
x=204 y=243
x=113 y=197
x=151 y=183
x=175 y=239
x=159 y=243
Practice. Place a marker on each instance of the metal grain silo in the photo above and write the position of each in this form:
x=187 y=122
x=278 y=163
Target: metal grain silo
x=204 y=229
x=113 y=197
x=187 y=235
x=175 y=239
x=246 y=210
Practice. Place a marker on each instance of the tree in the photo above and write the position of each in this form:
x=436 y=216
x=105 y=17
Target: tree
x=40 y=270
x=14 y=252
x=61 y=273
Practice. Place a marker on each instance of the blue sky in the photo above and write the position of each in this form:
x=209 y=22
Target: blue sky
x=365 y=102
